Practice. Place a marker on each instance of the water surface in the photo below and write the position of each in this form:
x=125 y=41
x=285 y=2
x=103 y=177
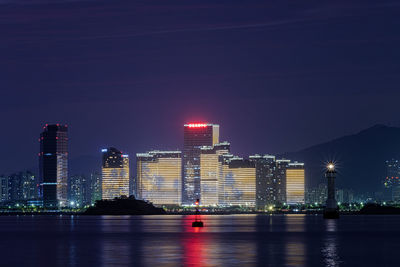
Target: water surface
x=226 y=240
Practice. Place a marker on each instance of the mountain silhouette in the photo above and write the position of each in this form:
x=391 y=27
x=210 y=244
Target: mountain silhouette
x=360 y=158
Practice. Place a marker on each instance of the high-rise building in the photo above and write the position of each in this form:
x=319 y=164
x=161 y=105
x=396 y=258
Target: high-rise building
x=53 y=165
x=4 y=194
x=295 y=181
x=22 y=186
x=79 y=191
x=238 y=182
x=209 y=172
x=266 y=191
x=391 y=183
x=115 y=174
x=280 y=180
x=95 y=187
x=317 y=195
x=159 y=177
x=195 y=136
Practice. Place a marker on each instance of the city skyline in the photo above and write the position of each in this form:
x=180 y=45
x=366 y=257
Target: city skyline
x=199 y=133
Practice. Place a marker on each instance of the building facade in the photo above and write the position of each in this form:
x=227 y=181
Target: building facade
x=266 y=191
x=159 y=177
x=280 y=180
x=209 y=172
x=238 y=182
x=22 y=186
x=79 y=192
x=295 y=183
x=195 y=136
x=95 y=187
x=114 y=173
x=53 y=165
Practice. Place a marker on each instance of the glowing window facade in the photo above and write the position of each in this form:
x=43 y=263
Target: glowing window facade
x=237 y=186
x=209 y=172
x=195 y=136
x=115 y=174
x=295 y=180
x=159 y=176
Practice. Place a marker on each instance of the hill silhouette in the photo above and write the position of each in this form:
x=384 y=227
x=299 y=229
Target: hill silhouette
x=360 y=158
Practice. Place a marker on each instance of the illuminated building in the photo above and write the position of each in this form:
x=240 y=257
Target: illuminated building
x=95 y=187
x=391 y=183
x=115 y=174
x=317 y=195
x=22 y=186
x=53 y=165
x=159 y=177
x=238 y=182
x=280 y=180
x=79 y=191
x=392 y=173
x=265 y=180
x=209 y=172
x=4 y=188
x=195 y=136
x=295 y=183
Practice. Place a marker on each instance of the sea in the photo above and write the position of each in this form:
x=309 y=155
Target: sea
x=225 y=240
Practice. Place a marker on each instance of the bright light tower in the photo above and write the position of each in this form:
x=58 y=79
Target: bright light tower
x=331 y=210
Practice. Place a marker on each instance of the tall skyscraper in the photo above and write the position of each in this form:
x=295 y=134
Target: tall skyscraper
x=266 y=191
x=95 y=187
x=195 y=136
x=238 y=182
x=295 y=181
x=209 y=172
x=79 y=191
x=53 y=165
x=115 y=174
x=280 y=180
x=159 y=177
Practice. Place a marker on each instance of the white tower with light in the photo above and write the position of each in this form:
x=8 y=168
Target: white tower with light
x=331 y=210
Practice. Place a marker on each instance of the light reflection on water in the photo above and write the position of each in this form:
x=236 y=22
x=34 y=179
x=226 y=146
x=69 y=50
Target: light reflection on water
x=329 y=249
x=237 y=240
x=294 y=245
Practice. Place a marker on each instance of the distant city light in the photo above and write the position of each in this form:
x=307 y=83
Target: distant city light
x=104 y=150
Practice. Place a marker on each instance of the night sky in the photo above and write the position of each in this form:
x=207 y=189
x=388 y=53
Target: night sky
x=276 y=75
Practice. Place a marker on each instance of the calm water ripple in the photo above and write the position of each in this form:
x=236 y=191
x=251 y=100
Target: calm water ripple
x=231 y=240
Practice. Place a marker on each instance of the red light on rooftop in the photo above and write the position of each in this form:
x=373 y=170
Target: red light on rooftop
x=197 y=125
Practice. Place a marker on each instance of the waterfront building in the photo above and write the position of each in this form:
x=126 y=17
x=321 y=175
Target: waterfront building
x=317 y=195
x=53 y=165
x=195 y=136
x=95 y=187
x=4 y=195
x=209 y=172
x=22 y=186
x=159 y=177
x=266 y=191
x=115 y=174
x=238 y=182
x=295 y=183
x=79 y=191
x=280 y=180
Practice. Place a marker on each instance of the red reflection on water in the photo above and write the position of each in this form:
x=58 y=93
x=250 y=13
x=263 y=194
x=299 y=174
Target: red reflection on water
x=193 y=243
